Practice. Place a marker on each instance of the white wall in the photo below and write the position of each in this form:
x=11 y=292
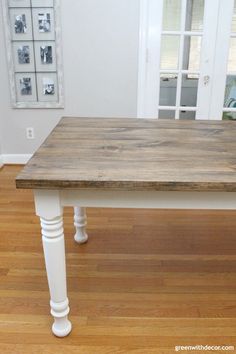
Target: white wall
x=100 y=58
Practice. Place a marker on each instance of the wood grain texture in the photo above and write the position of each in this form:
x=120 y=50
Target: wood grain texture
x=135 y=154
x=146 y=281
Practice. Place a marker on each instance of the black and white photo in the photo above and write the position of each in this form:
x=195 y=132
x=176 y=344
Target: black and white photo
x=23 y=56
x=23 y=53
x=44 y=21
x=46 y=54
x=48 y=86
x=25 y=86
x=20 y=24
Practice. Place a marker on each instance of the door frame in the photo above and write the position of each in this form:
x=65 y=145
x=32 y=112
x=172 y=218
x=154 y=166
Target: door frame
x=149 y=55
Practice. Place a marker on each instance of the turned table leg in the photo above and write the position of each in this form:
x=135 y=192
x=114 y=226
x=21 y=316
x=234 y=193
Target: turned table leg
x=49 y=209
x=80 y=222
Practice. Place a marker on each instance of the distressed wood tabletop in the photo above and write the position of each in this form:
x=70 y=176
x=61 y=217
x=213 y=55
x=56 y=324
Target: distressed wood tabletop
x=135 y=154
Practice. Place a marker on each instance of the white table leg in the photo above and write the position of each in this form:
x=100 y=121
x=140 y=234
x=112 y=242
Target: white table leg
x=80 y=222
x=49 y=209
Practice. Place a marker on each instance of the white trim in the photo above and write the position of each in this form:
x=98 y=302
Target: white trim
x=7 y=26
x=226 y=9
x=193 y=72
x=180 y=108
x=184 y=33
x=146 y=199
x=225 y=109
x=1 y=161
x=207 y=58
x=149 y=58
x=142 y=58
x=181 y=56
x=20 y=159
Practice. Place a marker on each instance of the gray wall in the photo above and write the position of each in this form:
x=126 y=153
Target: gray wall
x=100 y=59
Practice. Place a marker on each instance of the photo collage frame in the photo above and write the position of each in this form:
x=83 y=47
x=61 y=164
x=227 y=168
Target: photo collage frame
x=34 y=53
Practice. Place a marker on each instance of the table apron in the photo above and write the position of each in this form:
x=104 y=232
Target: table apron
x=148 y=199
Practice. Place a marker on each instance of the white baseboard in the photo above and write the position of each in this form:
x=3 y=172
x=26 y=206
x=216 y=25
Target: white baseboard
x=1 y=161
x=20 y=159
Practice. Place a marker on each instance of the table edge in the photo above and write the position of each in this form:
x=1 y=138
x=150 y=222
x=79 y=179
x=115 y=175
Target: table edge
x=22 y=183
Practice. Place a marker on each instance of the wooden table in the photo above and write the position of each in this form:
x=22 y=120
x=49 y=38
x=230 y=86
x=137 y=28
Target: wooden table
x=134 y=163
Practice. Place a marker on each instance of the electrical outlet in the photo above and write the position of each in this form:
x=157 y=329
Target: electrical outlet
x=30 y=133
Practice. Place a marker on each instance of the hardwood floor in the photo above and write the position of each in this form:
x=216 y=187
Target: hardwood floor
x=146 y=281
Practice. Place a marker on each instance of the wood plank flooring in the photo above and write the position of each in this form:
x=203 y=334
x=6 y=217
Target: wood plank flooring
x=146 y=281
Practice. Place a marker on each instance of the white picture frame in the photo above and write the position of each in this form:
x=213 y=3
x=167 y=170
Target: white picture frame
x=45 y=56
x=16 y=99
x=42 y=3
x=21 y=24
x=43 y=20
x=23 y=56
x=26 y=87
x=19 y=3
x=47 y=87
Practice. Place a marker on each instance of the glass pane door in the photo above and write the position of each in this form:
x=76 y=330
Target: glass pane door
x=188 y=59
x=181 y=43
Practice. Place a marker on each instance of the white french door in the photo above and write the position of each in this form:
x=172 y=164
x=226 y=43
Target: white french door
x=187 y=66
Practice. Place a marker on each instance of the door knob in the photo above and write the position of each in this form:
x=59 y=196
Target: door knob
x=206 y=79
